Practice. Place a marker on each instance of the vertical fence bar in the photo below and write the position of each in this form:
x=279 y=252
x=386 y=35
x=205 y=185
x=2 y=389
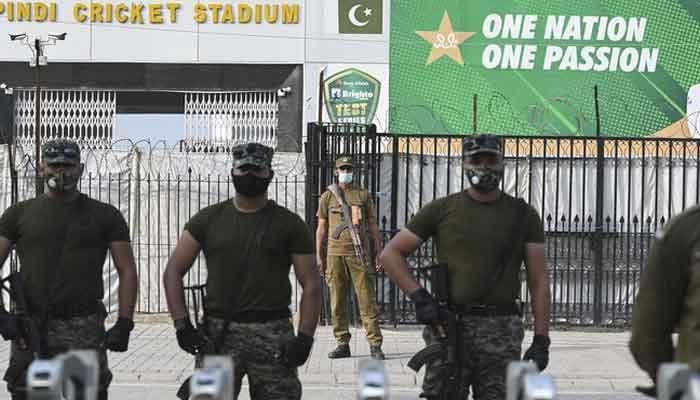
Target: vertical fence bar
x=599 y=210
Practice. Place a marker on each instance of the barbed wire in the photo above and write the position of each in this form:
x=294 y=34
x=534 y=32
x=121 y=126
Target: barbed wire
x=159 y=158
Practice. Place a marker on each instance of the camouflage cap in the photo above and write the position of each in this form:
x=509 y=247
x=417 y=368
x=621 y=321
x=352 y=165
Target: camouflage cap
x=344 y=161
x=479 y=144
x=61 y=151
x=252 y=154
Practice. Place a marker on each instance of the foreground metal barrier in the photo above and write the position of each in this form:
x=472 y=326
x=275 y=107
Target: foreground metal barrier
x=373 y=382
x=677 y=382
x=214 y=381
x=524 y=382
x=69 y=376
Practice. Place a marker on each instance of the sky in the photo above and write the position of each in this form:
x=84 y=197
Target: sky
x=154 y=127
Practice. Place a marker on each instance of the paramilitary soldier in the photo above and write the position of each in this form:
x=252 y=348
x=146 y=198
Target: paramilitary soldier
x=249 y=243
x=346 y=210
x=474 y=234
x=669 y=298
x=62 y=238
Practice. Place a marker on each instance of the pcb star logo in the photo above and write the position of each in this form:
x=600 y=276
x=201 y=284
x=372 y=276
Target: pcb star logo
x=445 y=41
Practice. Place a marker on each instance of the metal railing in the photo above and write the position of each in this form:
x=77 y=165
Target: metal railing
x=601 y=201
x=157 y=191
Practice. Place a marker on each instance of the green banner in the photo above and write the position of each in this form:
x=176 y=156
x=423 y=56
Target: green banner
x=533 y=65
x=351 y=96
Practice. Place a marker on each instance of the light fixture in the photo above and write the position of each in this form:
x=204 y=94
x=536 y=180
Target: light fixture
x=20 y=36
x=60 y=36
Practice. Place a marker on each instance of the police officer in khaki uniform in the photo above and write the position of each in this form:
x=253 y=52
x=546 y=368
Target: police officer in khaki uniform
x=340 y=262
x=483 y=236
x=669 y=298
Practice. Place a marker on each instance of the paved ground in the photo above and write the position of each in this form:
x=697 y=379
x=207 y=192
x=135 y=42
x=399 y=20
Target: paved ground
x=585 y=365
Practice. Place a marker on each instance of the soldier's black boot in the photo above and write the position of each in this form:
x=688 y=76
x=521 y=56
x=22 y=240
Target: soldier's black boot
x=342 y=351
x=376 y=353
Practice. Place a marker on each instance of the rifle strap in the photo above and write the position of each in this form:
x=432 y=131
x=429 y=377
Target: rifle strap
x=347 y=215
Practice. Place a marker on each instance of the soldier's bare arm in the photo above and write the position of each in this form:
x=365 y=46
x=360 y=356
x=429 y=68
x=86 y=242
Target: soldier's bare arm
x=393 y=259
x=123 y=257
x=308 y=278
x=179 y=263
x=321 y=235
x=5 y=248
x=538 y=284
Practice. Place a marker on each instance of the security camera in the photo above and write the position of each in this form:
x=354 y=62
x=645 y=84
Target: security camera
x=20 y=36
x=284 y=91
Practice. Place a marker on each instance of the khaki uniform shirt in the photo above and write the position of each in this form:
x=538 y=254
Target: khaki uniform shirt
x=330 y=210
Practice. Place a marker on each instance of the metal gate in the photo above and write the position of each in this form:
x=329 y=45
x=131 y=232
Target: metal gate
x=86 y=116
x=601 y=201
x=216 y=121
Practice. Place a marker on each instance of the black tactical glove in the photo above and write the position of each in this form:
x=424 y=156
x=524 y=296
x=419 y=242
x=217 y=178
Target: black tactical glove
x=647 y=390
x=427 y=309
x=538 y=351
x=188 y=338
x=296 y=352
x=9 y=326
x=117 y=337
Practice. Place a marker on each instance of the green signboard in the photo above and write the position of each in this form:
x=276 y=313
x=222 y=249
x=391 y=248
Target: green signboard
x=351 y=96
x=533 y=65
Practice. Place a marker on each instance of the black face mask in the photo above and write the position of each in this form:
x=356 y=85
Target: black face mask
x=250 y=185
x=484 y=179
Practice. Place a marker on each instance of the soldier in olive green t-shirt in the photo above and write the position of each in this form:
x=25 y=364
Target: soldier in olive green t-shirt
x=62 y=238
x=669 y=297
x=472 y=231
x=249 y=243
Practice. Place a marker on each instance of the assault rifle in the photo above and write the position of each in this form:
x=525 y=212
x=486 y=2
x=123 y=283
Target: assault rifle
x=24 y=325
x=448 y=334
x=198 y=295
x=349 y=225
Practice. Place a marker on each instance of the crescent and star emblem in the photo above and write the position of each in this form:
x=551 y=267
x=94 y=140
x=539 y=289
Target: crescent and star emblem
x=352 y=15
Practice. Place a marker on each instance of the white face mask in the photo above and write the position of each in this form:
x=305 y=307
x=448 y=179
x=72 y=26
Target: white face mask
x=345 y=177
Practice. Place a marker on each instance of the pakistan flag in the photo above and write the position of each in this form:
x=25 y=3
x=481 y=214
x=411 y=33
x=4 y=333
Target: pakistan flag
x=533 y=65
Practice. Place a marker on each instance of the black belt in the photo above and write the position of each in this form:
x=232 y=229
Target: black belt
x=68 y=311
x=254 y=316
x=486 y=310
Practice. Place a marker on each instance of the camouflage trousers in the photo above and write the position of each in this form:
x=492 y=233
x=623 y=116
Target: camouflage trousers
x=341 y=272
x=488 y=345
x=255 y=349
x=79 y=333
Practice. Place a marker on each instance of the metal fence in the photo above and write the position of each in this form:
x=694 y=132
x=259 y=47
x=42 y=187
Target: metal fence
x=157 y=190
x=601 y=201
